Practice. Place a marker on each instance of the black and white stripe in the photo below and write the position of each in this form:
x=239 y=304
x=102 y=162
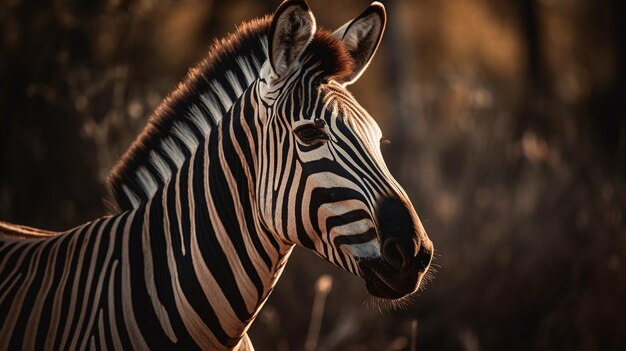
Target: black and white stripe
x=214 y=196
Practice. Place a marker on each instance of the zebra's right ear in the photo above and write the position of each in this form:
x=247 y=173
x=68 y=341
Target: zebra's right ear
x=293 y=27
x=361 y=38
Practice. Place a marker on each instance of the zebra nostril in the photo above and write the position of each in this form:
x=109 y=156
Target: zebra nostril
x=423 y=257
x=396 y=254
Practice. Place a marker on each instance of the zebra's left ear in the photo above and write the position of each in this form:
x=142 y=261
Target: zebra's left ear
x=361 y=37
x=293 y=27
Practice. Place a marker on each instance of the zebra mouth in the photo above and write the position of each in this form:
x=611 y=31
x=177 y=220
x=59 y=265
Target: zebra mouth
x=384 y=282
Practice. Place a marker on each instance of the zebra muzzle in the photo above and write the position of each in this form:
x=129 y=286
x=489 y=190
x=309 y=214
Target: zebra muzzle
x=406 y=252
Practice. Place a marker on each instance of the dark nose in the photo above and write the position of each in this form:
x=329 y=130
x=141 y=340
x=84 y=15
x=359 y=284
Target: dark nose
x=405 y=246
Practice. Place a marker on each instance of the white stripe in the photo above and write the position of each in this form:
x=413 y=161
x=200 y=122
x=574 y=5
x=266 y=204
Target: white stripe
x=117 y=343
x=173 y=151
x=146 y=181
x=370 y=249
x=115 y=336
x=92 y=269
x=208 y=99
x=178 y=210
x=199 y=332
x=264 y=44
x=69 y=316
x=234 y=83
x=60 y=288
x=222 y=95
x=137 y=340
x=184 y=134
x=9 y=287
x=134 y=199
x=246 y=69
x=102 y=270
x=199 y=119
x=164 y=170
x=103 y=345
x=148 y=272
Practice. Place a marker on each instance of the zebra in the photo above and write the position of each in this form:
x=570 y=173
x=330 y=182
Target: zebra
x=259 y=149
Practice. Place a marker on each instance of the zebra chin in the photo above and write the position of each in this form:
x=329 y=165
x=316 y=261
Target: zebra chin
x=383 y=281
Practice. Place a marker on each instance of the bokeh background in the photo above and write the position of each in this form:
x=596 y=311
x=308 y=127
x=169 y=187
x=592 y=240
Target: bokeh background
x=507 y=122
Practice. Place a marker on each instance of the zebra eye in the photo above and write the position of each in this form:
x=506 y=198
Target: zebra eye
x=310 y=133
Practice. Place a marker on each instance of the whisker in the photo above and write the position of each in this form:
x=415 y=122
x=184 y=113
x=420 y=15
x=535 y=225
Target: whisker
x=389 y=305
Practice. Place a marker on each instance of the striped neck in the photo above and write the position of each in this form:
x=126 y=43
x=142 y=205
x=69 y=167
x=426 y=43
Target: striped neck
x=212 y=225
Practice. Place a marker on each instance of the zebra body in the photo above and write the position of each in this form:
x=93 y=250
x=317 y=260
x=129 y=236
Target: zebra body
x=230 y=174
x=129 y=285
x=183 y=298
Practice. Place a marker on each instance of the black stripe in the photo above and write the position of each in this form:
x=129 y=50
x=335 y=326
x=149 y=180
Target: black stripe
x=99 y=271
x=6 y=304
x=141 y=304
x=102 y=271
x=213 y=252
x=46 y=311
x=117 y=281
x=82 y=282
x=355 y=239
x=17 y=338
x=66 y=299
x=236 y=168
x=191 y=287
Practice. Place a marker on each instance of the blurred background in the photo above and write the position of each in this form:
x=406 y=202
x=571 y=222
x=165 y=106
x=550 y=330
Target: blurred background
x=508 y=128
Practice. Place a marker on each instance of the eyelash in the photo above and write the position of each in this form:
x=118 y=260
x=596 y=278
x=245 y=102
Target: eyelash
x=384 y=140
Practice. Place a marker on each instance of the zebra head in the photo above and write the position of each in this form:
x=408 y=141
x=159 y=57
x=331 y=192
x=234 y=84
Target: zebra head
x=322 y=182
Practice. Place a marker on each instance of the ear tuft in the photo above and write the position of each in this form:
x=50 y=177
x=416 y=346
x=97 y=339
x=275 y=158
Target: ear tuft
x=293 y=27
x=361 y=38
